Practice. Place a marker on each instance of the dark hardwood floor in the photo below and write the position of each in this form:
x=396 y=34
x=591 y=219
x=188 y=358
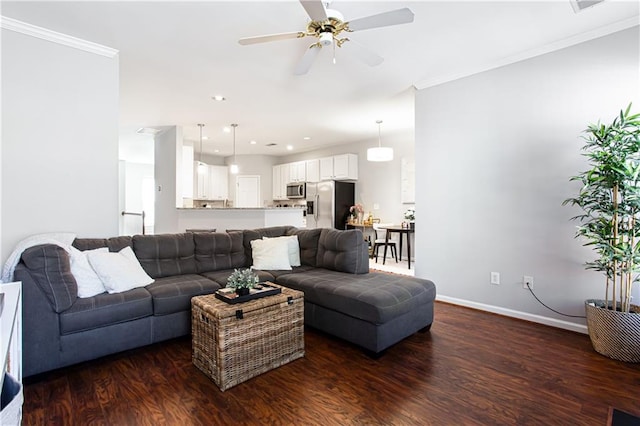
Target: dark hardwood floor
x=472 y=368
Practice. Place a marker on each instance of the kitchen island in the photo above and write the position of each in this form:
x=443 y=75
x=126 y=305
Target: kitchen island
x=222 y=219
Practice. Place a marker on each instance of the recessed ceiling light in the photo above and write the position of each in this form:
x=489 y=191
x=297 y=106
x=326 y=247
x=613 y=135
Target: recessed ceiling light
x=226 y=129
x=253 y=142
x=306 y=138
x=205 y=138
x=216 y=150
x=219 y=98
x=289 y=147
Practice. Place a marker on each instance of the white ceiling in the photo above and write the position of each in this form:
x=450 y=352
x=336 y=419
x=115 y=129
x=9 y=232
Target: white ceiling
x=175 y=55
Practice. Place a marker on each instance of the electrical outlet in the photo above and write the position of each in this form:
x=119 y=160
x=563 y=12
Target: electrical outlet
x=527 y=282
x=495 y=278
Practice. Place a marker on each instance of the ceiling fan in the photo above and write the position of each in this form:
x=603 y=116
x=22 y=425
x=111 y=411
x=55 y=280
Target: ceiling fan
x=327 y=25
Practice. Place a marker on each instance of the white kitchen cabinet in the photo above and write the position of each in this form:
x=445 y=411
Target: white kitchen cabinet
x=339 y=167
x=326 y=168
x=201 y=181
x=280 y=180
x=297 y=172
x=313 y=170
x=218 y=183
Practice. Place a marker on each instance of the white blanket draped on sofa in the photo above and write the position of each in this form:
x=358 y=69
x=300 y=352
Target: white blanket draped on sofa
x=62 y=239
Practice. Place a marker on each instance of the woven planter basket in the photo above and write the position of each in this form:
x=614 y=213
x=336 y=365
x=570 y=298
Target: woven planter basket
x=614 y=334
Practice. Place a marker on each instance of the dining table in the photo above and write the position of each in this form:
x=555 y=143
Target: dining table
x=399 y=229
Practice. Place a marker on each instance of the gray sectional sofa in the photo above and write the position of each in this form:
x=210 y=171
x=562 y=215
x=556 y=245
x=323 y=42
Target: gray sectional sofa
x=342 y=298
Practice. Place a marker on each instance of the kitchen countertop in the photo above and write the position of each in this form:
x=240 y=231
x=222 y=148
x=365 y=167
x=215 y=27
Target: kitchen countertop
x=241 y=208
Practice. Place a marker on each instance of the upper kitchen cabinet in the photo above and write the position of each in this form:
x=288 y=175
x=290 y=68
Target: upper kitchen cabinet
x=210 y=182
x=313 y=170
x=297 y=172
x=280 y=180
x=218 y=183
x=201 y=181
x=339 y=167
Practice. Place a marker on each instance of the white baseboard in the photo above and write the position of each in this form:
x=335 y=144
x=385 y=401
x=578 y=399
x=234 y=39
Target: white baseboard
x=566 y=325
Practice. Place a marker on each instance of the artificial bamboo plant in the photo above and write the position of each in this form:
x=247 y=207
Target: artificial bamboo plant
x=610 y=200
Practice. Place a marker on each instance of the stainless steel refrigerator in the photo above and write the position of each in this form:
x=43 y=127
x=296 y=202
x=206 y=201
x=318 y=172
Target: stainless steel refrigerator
x=328 y=203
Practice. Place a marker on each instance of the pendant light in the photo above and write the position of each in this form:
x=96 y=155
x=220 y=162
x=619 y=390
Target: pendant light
x=380 y=153
x=202 y=168
x=233 y=168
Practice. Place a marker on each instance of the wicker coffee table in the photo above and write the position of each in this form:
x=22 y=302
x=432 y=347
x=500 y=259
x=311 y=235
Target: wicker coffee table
x=233 y=343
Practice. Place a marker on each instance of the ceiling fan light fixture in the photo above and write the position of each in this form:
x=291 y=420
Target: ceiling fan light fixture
x=379 y=153
x=326 y=39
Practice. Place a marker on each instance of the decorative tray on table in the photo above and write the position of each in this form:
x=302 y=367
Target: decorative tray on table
x=229 y=295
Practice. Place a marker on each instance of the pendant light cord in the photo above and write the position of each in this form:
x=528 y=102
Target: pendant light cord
x=234 y=125
x=379 y=137
x=200 y=155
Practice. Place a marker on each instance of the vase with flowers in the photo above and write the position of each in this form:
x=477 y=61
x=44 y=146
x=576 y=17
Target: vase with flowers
x=410 y=215
x=357 y=212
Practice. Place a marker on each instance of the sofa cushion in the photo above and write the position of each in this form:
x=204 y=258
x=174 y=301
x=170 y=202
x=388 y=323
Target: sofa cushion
x=106 y=309
x=217 y=251
x=344 y=251
x=166 y=255
x=308 y=240
x=50 y=267
x=119 y=271
x=293 y=248
x=173 y=294
x=89 y=283
x=221 y=276
x=373 y=297
x=114 y=244
x=272 y=253
x=257 y=234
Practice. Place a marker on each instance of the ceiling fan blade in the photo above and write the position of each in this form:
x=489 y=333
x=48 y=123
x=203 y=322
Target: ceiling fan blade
x=385 y=19
x=307 y=60
x=364 y=54
x=270 y=37
x=315 y=9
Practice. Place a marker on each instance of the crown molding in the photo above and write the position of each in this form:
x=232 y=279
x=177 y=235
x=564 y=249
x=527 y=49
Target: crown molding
x=548 y=48
x=55 y=37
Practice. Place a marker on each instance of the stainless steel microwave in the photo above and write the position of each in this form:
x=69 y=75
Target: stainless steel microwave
x=296 y=190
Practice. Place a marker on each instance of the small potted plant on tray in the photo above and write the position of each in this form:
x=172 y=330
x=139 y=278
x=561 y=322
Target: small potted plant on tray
x=610 y=223
x=242 y=281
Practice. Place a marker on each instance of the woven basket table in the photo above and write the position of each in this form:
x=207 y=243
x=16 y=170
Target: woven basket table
x=233 y=343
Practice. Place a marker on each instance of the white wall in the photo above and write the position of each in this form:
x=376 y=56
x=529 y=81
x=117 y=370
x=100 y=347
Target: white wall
x=59 y=140
x=496 y=151
x=254 y=165
x=168 y=158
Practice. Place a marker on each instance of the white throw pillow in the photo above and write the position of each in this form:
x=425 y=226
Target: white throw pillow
x=119 y=271
x=271 y=254
x=292 y=246
x=89 y=283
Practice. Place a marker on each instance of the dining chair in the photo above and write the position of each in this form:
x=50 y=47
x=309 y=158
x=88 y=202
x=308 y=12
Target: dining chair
x=380 y=241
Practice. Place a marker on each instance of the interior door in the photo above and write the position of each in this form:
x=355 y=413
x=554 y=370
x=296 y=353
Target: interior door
x=247 y=191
